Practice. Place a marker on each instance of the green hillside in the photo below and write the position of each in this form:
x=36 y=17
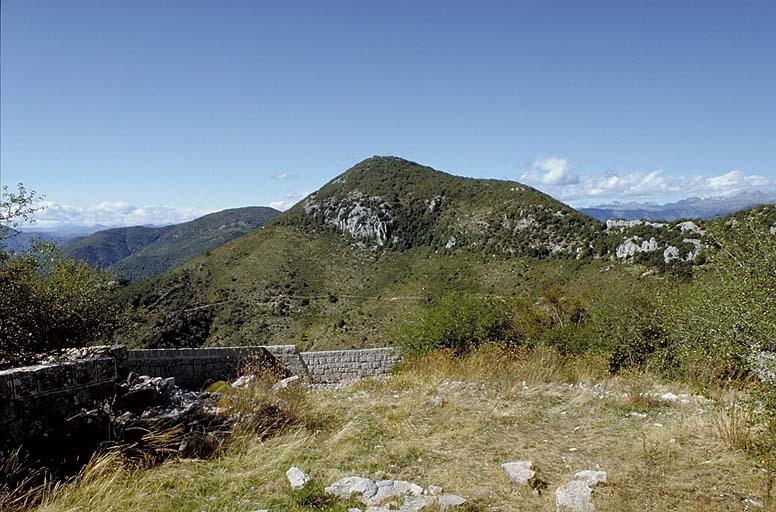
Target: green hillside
x=391 y=203
x=136 y=252
x=373 y=247
x=104 y=248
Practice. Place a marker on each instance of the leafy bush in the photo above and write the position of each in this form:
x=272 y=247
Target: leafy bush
x=47 y=303
x=458 y=322
x=50 y=306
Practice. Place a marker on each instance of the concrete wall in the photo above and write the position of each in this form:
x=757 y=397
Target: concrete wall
x=36 y=399
x=342 y=365
x=196 y=367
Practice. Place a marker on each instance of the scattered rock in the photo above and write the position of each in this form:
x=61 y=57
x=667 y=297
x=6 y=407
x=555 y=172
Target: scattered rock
x=523 y=473
x=283 y=384
x=297 y=478
x=392 y=495
x=362 y=488
x=575 y=496
x=591 y=478
x=392 y=488
x=639 y=415
x=449 y=501
x=243 y=381
x=146 y=404
x=437 y=401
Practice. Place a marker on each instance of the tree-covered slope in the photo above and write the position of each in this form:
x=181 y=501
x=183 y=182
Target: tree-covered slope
x=137 y=252
x=104 y=248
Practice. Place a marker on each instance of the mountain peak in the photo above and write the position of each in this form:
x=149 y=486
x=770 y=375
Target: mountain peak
x=389 y=202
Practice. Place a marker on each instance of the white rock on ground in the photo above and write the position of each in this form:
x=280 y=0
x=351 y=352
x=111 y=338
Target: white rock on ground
x=283 y=384
x=575 y=496
x=433 y=490
x=392 y=495
x=297 y=478
x=522 y=472
x=591 y=478
x=363 y=488
x=450 y=501
x=243 y=381
x=408 y=504
x=392 y=488
x=371 y=492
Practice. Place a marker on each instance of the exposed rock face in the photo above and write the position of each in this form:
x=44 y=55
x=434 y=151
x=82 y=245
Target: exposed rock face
x=622 y=225
x=670 y=253
x=691 y=227
x=632 y=246
x=363 y=217
x=575 y=496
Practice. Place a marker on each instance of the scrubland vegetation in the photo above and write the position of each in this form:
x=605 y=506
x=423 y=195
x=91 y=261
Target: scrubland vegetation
x=451 y=420
x=506 y=358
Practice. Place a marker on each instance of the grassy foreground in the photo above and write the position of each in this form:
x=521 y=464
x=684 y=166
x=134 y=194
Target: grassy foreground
x=495 y=407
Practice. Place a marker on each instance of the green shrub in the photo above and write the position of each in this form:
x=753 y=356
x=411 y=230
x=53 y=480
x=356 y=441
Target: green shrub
x=458 y=322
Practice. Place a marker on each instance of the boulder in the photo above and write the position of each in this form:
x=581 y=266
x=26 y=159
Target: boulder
x=591 y=478
x=522 y=472
x=575 y=496
x=297 y=478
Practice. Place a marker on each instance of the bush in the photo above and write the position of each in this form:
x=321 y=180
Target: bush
x=458 y=322
x=47 y=303
x=50 y=306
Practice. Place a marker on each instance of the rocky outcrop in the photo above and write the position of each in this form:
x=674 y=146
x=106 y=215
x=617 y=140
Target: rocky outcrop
x=635 y=245
x=359 y=215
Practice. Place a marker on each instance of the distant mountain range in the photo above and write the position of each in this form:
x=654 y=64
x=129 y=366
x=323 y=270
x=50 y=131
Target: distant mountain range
x=136 y=252
x=692 y=208
x=19 y=242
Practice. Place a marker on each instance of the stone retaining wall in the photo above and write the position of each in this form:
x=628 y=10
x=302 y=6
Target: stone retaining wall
x=36 y=399
x=343 y=365
x=194 y=368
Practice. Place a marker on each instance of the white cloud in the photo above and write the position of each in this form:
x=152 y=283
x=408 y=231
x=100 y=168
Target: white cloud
x=113 y=214
x=554 y=176
x=551 y=171
x=285 y=176
x=289 y=200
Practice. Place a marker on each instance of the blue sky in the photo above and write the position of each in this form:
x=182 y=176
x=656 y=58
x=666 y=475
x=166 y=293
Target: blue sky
x=148 y=111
